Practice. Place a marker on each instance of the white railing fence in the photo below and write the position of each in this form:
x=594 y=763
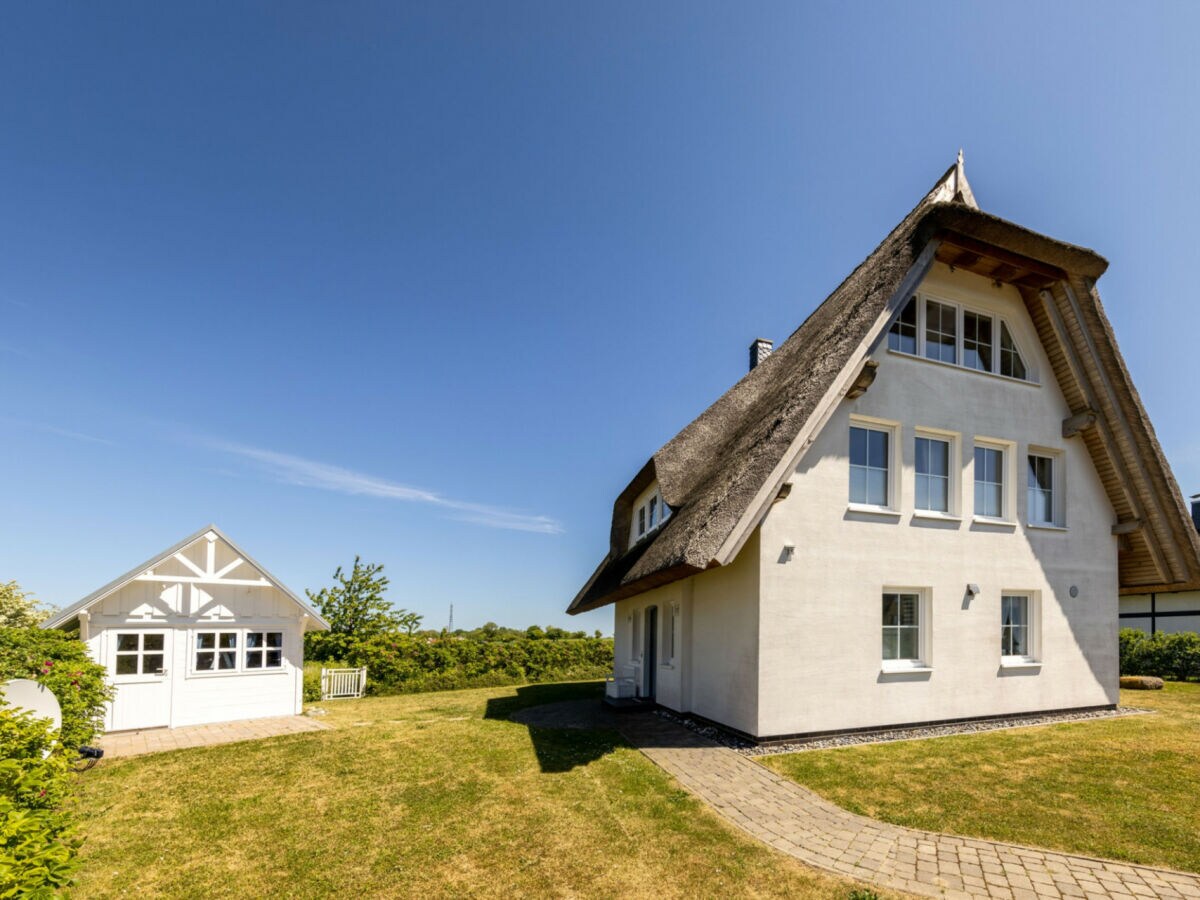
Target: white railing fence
x=338 y=684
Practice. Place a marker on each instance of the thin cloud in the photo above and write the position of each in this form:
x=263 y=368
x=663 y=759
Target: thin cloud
x=295 y=470
x=47 y=428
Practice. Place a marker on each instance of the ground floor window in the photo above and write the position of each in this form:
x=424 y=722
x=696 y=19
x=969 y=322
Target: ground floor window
x=1019 y=627
x=901 y=627
x=139 y=653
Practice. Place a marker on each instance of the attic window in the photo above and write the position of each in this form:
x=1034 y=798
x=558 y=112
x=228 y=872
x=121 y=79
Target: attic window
x=650 y=514
x=949 y=333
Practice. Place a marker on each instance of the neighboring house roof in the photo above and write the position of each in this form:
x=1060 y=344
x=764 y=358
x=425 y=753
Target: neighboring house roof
x=720 y=474
x=66 y=615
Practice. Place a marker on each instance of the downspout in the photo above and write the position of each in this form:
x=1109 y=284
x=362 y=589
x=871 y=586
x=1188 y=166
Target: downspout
x=1153 y=614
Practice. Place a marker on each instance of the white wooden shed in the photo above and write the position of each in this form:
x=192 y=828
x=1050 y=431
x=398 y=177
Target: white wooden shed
x=197 y=633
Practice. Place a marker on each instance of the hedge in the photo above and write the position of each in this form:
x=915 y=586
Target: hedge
x=61 y=663
x=1173 y=656
x=398 y=663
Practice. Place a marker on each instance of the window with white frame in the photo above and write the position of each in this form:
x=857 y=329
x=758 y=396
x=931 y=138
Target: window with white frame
x=977 y=341
x=941 y=331
x=903 y=636
x=138 y=653
x=264 y=649
x=1044 y=501
x=216 y=651
x=1011 y=363
x=870 y=455
x=933 y=474
x=651 y=513
x=989 y=482
x=672 y=623
x=1020 y=628
x=949 y=333
x=903 y=334
x=1015 y=626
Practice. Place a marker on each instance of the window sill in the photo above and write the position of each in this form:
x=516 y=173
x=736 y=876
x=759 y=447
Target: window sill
x=228 y=673
x=889 y=669
x=1017 y=662
x=935 y=515
x=990 y=520
x=155 y=679
x=1041 y=526
x=962 y=368
x=873 y=510
x=667 y=666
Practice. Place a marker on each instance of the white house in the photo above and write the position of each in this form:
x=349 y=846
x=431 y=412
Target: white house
x=198 y=633
x=921 y=507
x=1166 y=611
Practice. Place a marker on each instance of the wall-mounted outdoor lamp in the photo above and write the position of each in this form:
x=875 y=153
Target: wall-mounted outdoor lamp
x=789 y=550
x=972 y=589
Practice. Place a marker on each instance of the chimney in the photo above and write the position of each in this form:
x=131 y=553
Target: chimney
x=1196 y=510
x=759 y=350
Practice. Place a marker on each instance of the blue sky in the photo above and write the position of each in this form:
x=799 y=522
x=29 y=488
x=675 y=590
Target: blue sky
x=429 y=283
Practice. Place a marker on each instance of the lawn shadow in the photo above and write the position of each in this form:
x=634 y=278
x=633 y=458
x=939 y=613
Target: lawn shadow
x=568 y=723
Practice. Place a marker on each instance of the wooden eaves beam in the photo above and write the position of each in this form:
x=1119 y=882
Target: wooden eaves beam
x=1071 y=355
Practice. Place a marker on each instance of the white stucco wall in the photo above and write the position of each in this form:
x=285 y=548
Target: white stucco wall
x=715 y=670
x=819 y=633
x=185 y=696
x=1170 y=603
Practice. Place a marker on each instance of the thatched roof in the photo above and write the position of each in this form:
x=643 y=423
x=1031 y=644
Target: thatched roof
x=720 y=473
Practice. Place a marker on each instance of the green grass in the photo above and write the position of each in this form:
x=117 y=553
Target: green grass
x=431 y=795
x=1120 y=788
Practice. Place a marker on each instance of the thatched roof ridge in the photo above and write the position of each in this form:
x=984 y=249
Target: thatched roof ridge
x=713 y=473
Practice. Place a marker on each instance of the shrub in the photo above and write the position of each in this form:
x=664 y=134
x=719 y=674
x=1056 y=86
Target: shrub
x=398 y=663
x=1173 y=656
x=1141 y=682
x=37 y=849
x=62 y=664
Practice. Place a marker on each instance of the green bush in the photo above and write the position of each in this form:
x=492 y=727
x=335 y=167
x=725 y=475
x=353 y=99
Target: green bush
x=1172 y=656
x=399 y=663
x=37 y=848
x=61 y=663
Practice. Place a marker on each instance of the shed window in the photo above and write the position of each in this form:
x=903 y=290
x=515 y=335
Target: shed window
x=216 y=651
x=139 y=654
x=264 y=649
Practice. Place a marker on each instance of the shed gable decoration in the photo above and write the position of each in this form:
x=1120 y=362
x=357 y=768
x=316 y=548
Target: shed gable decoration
x=721 y=473
x=181 y=584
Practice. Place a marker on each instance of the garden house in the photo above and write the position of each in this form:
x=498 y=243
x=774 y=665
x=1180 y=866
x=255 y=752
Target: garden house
x=197 y=633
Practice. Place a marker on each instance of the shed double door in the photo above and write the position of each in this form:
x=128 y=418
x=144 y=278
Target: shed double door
x=139 y=663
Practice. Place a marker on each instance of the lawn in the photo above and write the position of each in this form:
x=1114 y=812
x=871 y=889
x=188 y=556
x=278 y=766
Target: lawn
x=1121 y=788
x=433 y=795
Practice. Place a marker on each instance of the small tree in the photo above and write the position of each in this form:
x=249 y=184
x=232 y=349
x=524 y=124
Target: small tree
x=19 y=609
x=356 y=609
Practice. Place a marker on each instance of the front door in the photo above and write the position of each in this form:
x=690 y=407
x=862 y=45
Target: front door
x=650 y=666
x=139 y=663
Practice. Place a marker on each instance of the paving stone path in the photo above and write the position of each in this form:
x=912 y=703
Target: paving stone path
x=159 y=740
x=793 y=819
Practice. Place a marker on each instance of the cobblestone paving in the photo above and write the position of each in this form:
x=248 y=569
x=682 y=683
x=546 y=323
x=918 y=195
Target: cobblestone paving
x=159 y=740
x=793 y=819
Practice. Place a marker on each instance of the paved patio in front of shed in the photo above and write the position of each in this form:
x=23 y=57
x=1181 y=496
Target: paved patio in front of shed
x=159 y=740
